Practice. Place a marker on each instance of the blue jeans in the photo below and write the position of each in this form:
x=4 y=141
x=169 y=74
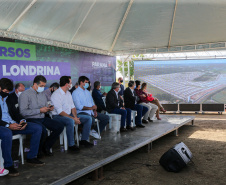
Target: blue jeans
x=103 y=120
x=54 y=126
x=86 y=122
x=6 y=136
x=69 y=123
x=125 y=116
x=141 y=111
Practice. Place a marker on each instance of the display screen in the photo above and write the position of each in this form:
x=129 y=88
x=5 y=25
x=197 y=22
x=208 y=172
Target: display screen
x=184 y=81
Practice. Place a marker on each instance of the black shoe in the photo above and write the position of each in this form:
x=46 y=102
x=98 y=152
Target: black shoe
x=122 y=129
x=140 y=126
x=35 y=162
x=149 y=119
x=144 y=121
x=130 y=128
x=85 y=143
x=12 y=171
x=74 y=148
x=47 y=152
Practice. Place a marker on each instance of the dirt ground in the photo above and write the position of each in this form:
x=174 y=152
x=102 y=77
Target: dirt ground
x=206 y=140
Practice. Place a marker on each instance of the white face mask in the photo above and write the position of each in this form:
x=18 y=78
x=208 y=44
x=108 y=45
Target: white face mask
x=19 y=93
x=40 y=89
x=100 y=88
x=70 y=87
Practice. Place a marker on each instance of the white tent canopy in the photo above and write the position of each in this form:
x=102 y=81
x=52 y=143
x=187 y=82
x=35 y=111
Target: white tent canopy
x=117 y=27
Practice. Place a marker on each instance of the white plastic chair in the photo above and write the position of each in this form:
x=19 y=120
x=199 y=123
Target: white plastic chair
x=116 y=116
x=63 y=137
x=21 y=152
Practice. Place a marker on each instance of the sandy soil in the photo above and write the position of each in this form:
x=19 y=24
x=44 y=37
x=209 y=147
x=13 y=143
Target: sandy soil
x=206 y=140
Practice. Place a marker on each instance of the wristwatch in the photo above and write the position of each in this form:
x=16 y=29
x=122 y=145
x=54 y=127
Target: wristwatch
x=7 y=126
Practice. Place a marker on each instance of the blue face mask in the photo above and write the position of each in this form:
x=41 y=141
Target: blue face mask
x=40 y=89
x=86 y=85
x=135 y=87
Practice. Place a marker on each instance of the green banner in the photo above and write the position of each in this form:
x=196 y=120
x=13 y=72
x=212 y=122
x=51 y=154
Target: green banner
x=17 y=51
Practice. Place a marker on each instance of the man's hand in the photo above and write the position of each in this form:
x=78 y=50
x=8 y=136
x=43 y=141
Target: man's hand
x=94 y=107
x=122 y=108
x=23 y=126
x=77 y=121
x=105 y=94
x=44 y=109
x=144 y=95
x=51 y=107
x=95 y=114
x=15 y=126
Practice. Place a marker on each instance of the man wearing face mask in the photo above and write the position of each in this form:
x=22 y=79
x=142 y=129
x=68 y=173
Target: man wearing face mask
x=13 y=97
x=33 y=106
x=64 y=110
x=85 y=106
x=121 y=90
x=11 y=124
x=97 y=97
x=48 y=92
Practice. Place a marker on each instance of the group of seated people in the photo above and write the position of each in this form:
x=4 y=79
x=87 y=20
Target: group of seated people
x=60 y=106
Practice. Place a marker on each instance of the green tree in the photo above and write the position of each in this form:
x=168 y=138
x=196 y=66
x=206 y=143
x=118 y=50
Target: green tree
x=131 y=63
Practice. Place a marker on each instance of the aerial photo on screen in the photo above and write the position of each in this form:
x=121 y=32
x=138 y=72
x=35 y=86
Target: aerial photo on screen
x=184 y=81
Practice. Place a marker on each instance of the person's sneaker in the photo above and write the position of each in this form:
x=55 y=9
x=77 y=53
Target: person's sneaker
x=73 y=148
x=94 y=134
x=3 y=172
x=12 y=171
x=35 y=162
x=85 y=143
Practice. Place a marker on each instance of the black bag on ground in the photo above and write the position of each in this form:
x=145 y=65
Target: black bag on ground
x=176 y=158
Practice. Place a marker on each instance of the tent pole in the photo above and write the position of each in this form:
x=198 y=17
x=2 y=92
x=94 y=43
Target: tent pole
x=121 y=25
x=171 y=31
x=21 y=15
x=73 y=38
x=128 y=70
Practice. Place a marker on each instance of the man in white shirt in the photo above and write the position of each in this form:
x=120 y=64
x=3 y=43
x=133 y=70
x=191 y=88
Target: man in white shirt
x=64 y=110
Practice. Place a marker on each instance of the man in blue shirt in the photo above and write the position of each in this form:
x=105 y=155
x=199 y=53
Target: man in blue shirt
x=9 y=127
x=97 y=97
x=85 y=106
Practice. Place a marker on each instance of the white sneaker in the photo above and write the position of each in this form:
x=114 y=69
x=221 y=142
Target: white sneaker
x=3 y=172
x=94 y=134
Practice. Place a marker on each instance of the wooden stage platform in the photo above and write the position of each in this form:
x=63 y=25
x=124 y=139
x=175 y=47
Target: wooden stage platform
x=63 y=168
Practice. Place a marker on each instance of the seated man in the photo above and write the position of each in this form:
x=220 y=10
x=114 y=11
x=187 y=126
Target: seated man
x=9 y=127
x=13 y=97
x=114 y=104
x=84 y=104
x=33 y=106
x=65 y=111
x=48 y=92
x=97 y=97
x=130 y=100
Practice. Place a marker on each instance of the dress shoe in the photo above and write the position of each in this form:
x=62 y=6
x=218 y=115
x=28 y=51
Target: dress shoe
x=123 y=129
x=73 y=148
x=144 y=121
x=35 y=162
x=140 y=126
x=12 y=171
x=149 y=119
x=130 y=128
x=85 y=144
x=47 y=152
